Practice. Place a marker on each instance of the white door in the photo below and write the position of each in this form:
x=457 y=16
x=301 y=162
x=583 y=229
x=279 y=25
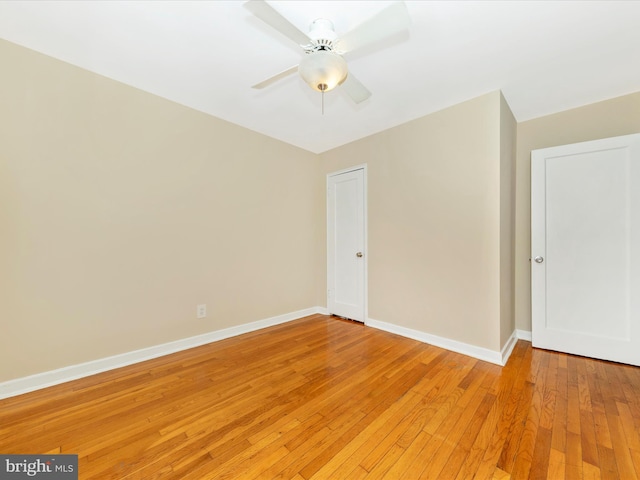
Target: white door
x=346 y=255
x=585 y=248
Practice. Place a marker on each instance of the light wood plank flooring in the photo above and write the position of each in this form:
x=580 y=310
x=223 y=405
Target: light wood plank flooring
x=324 y=398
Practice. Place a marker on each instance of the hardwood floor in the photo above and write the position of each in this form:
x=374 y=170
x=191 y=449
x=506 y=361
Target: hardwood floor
x=324 y=398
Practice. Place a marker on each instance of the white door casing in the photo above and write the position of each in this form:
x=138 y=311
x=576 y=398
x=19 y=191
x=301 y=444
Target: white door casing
x=585 y=248
x=346 y=243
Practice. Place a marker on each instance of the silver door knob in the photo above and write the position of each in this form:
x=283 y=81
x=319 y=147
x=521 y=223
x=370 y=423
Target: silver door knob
x=359 y=254
x=538 y=259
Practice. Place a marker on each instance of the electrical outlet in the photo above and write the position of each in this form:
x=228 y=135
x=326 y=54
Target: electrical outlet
x=201 y=311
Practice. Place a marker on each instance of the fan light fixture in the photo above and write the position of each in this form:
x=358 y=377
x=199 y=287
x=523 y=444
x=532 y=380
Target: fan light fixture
x=323 y=70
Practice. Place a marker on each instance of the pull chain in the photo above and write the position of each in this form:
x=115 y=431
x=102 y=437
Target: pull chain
x=322 y=87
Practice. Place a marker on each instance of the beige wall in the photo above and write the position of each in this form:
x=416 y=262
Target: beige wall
x=507 y=220
x=434 y=221
x=618 y=116
x=121 y=211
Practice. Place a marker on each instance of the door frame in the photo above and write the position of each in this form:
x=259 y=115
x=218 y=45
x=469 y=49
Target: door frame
x=362 y=167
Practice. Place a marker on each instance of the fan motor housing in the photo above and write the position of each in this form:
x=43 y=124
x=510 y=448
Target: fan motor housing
x=322 y=34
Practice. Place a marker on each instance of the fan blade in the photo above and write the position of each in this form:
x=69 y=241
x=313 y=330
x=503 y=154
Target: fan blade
x=356 y=90
x=271 y=17
x=276 y=77
x=393 y=19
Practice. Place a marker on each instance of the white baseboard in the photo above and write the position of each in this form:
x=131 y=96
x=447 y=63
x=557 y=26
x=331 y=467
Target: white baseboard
x=506 y=351
x=54 y=377
x=466 y=349
x=47 y=379
x=524 y=335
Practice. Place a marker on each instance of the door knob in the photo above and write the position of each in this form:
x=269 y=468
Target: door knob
x=359 y=254
x=538 y=259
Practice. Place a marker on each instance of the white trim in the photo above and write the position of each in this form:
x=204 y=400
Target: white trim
x=508 y=347
x=362 y=166
x=22 y=385
x=446 y=343
x=524 y=335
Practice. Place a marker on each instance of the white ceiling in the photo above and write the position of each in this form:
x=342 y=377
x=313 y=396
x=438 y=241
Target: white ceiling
x=546 y=56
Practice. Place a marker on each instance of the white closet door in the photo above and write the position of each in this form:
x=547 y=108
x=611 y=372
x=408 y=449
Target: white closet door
x=585 y=248
x=346 y=262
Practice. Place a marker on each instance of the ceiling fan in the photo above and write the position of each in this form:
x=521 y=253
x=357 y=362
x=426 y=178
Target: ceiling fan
x=322 y=66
